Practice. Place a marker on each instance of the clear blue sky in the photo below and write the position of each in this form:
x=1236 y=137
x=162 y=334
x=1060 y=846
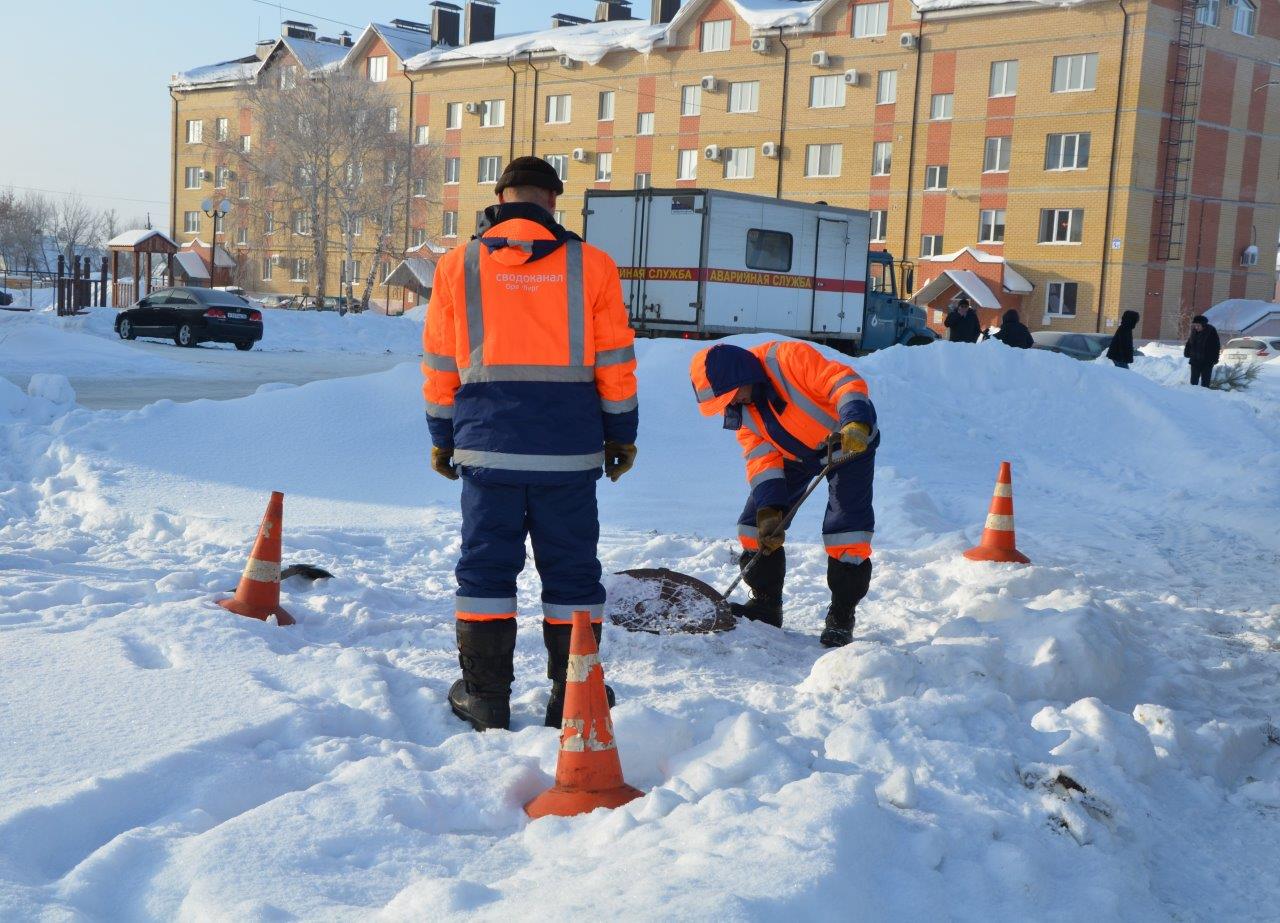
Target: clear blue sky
x=84 y=84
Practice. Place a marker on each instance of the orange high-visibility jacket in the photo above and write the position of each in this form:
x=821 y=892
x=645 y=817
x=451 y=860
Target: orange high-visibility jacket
x=528 y=354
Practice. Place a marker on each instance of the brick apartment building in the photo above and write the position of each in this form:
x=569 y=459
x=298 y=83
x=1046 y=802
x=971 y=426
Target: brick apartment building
x=1071 y=161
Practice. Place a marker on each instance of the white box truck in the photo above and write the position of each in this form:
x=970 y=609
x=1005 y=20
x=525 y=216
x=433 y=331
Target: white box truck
x=706 y=262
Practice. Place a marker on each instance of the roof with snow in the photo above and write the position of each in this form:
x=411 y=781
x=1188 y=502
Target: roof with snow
x=190 y=265
x=315 y=55
x=966 y=280
x=235 y=71
x=404 y=43
x=312 y=55
x=1237 y=315
x=588 y=43
x=130 y=239
x=1012 y=280
x=415 y=272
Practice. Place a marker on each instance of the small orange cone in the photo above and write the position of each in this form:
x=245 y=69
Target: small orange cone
x=998 y=542
x=589 y=774
x=258 y=595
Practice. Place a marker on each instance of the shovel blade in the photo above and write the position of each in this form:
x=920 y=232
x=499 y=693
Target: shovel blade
x=663 y=602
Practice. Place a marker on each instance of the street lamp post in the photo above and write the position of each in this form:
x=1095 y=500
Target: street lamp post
x=215 y=212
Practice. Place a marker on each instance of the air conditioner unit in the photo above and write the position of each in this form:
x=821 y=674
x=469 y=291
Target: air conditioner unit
x=820 y=59
x=769 y=149
x=712 y=152
x=851 y=77
x=567 y=62
x=907 y=40
x=475 y=108
x=710 y=84
x=580 y=155
x=761 y=45
x=206 y=175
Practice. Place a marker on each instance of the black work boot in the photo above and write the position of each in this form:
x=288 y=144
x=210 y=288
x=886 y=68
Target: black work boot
x=482 y=697
x=556 y=638
x=849 y=583
x=765 y=580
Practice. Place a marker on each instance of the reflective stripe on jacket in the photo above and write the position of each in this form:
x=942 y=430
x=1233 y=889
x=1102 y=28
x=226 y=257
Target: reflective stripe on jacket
x=528 y=354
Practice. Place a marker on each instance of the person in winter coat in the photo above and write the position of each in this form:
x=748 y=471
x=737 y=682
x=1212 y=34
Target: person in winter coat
x=531 y=390
x=791 y=408
x=1203 y=349
x=1120 y=351
x=1013 y=332
x=963 y=323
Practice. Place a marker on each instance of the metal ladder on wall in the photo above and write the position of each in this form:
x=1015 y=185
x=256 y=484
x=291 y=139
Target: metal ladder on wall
x=1178 y=141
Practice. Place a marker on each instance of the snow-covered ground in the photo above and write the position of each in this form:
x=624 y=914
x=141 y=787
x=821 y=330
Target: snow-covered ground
x=1090 y=737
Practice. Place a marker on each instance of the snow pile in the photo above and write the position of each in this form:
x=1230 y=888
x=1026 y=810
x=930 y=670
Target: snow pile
x=588 y=43
x=1239 y=314
x=1088 y=737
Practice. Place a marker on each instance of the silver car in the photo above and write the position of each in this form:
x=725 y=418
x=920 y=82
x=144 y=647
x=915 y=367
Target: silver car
x=1251 y=349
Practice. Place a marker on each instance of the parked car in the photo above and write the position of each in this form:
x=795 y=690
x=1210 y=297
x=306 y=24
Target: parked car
x=1085 y=346
x=1251 y=349
x=191 y=316
x=276 y=301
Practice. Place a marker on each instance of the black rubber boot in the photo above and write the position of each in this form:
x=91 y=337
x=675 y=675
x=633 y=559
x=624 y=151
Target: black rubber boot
x=482 y=697
x=849 y=584
x=556 y=638
x=766 y=580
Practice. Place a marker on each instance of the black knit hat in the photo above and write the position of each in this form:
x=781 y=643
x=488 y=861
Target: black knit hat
x=1199 y=319
x=530 y=171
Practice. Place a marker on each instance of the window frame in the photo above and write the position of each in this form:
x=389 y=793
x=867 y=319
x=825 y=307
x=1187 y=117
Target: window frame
x=195 y=131
x=393 y=118
x=452 y=165
x=449 y=228
x=268 y=264
x=376 y=68
x=1248 y=8
x=715 y=35
x=559 y=163
x=949 y=106
x=1075 y=227
x=767 y=234
x=935 y=177
x=935 y=245
x=1088 y=61
x=646 y=183
x=604 y=167
x=813 y=156
x=824 y=81
x=877 y=147
x=494 y=113
x=301 y=271
x=734 y=156
x=1061 y=153
x=751 y=88
x=687 y=156
x=993 y=223
x=641 y=124
x=452 y=116
x=493 y=161
x=1010 y=66
x=553 y=106
x=421 y=135
x=691 y=100
x=1062 y=286
x=1209 y=5
x=188 y=173
x=606 y=113
x=221 y=129
x=1004 y=152
x=887 y=87
x=879 y=225
x=190 y=222
x=870 y=16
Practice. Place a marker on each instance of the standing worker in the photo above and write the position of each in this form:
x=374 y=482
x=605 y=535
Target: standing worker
x=790 y=407
x=962 y=322
x=531 y=390
x=1120 y=349
x=1203 y=349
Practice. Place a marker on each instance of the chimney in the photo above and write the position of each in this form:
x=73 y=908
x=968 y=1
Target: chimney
x=263 y=48
x=560 y=20
x=345 y=39
x=446 y=23
x=613 y=10
x=663 y=11
x=294 y=29
x=481 y=17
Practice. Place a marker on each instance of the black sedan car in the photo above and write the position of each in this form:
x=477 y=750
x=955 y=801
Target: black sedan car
x=191 y=316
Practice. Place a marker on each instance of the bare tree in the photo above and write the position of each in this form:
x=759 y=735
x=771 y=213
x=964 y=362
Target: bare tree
x=75 y=224
x=24 y=223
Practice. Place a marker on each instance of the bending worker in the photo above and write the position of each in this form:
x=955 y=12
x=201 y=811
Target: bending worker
x=790 y=407
x=531 y=391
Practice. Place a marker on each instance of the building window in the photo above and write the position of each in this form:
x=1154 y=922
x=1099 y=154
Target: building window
x=288 y=77
x=559 y=163
x=422 y=135
x=222 y=175
x=687 y=165
x=452 y=169
x=558 y=216
x=740 y=163
x=691 y=99
x=717 y=34
x=390 y=172
x=559 y=109
x=195 y=131
x=870 y=20
x=246 y=144
x=269 y=223
x=301 y=222
x=449 y=224
x=350 y=271
x=1246 y=18
x=995 y=158
x=393 y=118
x=191 y=222
x=301 y=269
x=378 y=69
x=267 y=263
x=931 y=245
x=769 y=250
x=1075 y=72
x=356 y=225
x=826 y=92
x=881 y=158
x=243 y=190
x=991 y=226
x=453 y=115
x=1060 y=299
x=489 y=170
x=419 y=237
x=940 y=106
x=1061 y=225
x=1067 y=152
x=604 y=167
x=355 y=174
x=935 y=177
x=886 y=87
x=1207 y=13
x=744 y=96
x=604 y=109
x=220 y=129
x=644 y=181
x=192 y=177
x=242 y=237
x=879 y=225
x=1004 y=78
x=823 y=159
x=493 y=113
x=644 y=123
x=419 y=186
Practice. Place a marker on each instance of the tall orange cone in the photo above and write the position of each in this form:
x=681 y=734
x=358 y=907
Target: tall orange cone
x=998 y=541
x=258 y=595
x=589 y=774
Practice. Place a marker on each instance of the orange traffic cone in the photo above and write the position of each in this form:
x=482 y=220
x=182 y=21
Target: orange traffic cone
x=589 y=774
x=258 y=595
x=998 y=542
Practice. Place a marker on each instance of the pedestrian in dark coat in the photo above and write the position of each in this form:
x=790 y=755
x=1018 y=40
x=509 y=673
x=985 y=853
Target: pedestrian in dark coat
x=962 y=321
x=1121 y=349
x=1203 y=349
x=1013 y=332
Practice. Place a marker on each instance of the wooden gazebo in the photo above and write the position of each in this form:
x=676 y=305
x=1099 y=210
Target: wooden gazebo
x=143 y=241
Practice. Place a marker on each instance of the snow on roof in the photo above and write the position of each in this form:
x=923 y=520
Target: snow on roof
x=414 y=272
x=587 y=43
x=191 y=264
x=315 y=55
x=773 y=14
x=1012 y=280
x=966 y=280
x=404 y=42
x=133 y=238
x=1239 y=314
x=224 y=258
x=933 y=6
x=237 y=71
